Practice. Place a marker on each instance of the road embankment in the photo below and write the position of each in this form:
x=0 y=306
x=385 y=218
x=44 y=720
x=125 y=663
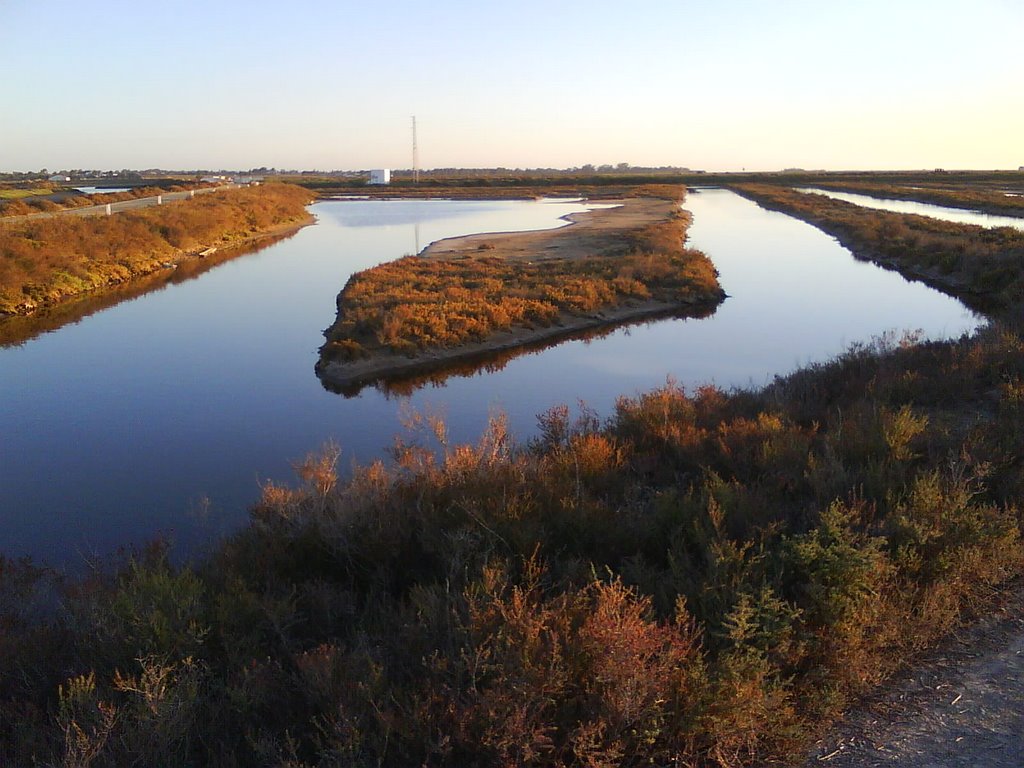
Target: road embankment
x=45 y=262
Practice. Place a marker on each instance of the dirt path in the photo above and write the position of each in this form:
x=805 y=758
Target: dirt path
x=963 y=705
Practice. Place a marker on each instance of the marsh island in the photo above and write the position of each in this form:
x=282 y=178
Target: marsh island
x=492 y=292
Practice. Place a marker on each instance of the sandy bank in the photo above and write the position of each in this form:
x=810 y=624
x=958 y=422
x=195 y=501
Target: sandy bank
x=590 y=233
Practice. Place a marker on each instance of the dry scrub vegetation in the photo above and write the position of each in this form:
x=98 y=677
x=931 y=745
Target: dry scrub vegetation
x=416 y=303
x=44 y=261
x=702 y=579
x=989 y=201
x=982 y=266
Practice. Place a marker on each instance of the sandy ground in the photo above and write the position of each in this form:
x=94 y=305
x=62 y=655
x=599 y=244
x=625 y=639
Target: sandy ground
x=963 y=705
x=589 y=234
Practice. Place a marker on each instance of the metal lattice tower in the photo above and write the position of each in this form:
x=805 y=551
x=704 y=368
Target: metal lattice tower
x=415 y=154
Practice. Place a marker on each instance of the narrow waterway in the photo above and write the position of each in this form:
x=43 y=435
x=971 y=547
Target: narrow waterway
x=958 y=215
x=164 y=414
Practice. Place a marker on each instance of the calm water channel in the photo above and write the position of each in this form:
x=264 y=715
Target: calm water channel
x=163 y=414
x=958 y=215
x=101 y=190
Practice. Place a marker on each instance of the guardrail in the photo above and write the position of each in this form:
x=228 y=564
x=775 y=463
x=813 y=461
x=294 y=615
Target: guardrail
x=108 y=209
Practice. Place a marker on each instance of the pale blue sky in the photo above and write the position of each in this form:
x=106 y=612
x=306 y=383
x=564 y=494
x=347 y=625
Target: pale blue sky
x=331 y=85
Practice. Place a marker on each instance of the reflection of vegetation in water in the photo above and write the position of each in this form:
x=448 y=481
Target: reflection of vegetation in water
x=17 y=329
x=47 y=260
x=983 y=267
x=436 y=373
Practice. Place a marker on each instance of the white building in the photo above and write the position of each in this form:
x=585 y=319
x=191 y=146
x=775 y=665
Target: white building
x=380 y=176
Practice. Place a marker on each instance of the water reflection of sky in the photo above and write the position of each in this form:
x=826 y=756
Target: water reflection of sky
x=429 y=220
x=118 y=427
x=101 y=190
x=957 y=215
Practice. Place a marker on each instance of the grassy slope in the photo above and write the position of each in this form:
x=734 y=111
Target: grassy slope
x=44 y=261
x=704 y=578
x=17 y=194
